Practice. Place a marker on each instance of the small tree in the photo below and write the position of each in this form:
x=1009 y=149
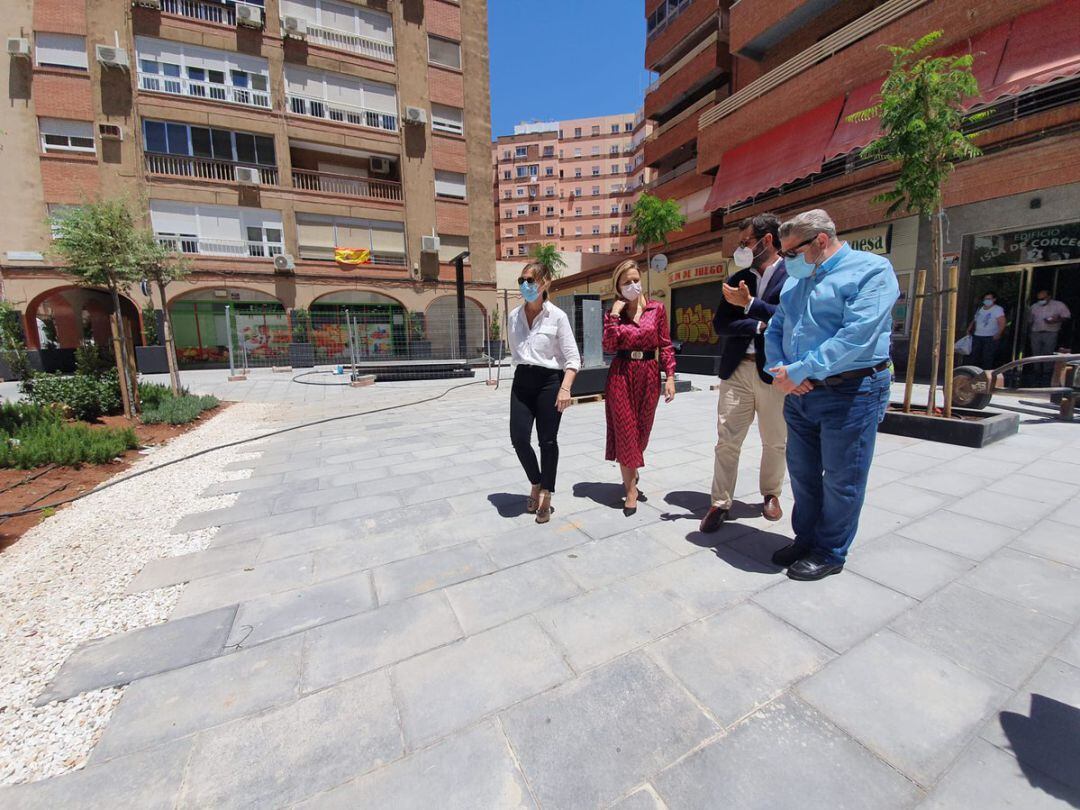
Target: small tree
x=922 y=117
x=651 y=222
x=548 y=257
x=102 y=248
x=12 y=344
x=163 y=266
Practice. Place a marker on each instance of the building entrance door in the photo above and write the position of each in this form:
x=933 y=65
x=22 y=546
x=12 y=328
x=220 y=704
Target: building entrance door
x=1010 y=287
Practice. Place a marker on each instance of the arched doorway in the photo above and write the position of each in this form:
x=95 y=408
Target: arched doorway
x=442 y=328
x=201 y=331
x=61 y=319
x=378 y=321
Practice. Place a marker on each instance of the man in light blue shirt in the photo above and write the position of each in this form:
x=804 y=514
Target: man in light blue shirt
x=827 y=347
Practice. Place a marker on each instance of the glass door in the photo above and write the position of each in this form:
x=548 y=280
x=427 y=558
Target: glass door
x=1011 y=287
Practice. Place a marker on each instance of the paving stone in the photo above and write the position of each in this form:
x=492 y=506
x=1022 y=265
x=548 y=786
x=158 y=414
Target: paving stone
x=368 y=641
x=599 y=562
x=906 y=461
x=677 y=535
x=880 y=476
x=297 y=750
x=948 y=482
x=367 y=551
x=177 y=703
x=603 y=521
x=959 y=534
x=710 y=580
x=738 y=660
x=221 y=517
x=919 y=728
x=997 y=507
x=446 y=689
x=167 y=571
x=986 y=777
x=313 y=538
x=437 y=569
x=1046 y=586
x=496 y=598
x=276 y=491
x=737 y=770
x=357 y=507
x=875 y=522
x=982 y=632
x=472 y=770
x=264 y=527
x=149 y=780
x=295 y=471
x=240 y=485
x=282 y=614
x=904 y=565
x=643 y=799
x=530 y=542
x=1034 y=487
x=312 y=498
x=1068 y=514
x=415 y=516
x=1069 y=651
x=1054 y=471
x=126 y=657
x=1051 y=540
x=905 y=500
x=591 y=740
x=244 y=584
x=838 y=611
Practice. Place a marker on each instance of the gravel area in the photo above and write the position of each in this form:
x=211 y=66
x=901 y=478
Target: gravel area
x=63 y=583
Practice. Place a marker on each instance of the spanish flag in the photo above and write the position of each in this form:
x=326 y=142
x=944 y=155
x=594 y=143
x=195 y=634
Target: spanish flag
x=353 y=256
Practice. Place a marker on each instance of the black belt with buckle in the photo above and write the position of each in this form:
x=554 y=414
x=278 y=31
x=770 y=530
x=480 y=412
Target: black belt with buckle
x=848 y=376
x=626 y=354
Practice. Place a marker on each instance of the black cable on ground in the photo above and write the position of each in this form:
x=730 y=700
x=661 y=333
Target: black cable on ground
x=297 y=379
x=113 y=483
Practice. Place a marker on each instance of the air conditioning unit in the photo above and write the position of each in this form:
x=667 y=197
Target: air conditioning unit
x=380 y=165
x=247 y=176
x=295 y=27
x=415 y=115
x=110 y=132
x=429 y=244
x=251 y=16
x=111 y=56
x=154 y=4
x=284 y=262
x=18 y=46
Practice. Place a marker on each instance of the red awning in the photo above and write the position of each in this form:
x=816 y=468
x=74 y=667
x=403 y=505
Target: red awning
x=988 y=47
x=784 y=153
x=849 y=135
x=1043 y=45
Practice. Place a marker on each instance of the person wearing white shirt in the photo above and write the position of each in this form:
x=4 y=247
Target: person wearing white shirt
x=546 y=360
x=1044 y=321
x=986 y=329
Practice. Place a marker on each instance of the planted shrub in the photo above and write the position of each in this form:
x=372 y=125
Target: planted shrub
x=179 y=410
x=33 y=435
x=152 y=395
x=87 y=397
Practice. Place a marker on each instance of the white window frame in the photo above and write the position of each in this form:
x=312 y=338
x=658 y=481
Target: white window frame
x=63 y=132
x=60 y=51
x=447 y=119
x=148 y=51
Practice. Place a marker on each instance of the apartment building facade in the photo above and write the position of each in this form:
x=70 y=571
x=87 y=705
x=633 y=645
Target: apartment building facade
x=301 y=153
x=568 y=183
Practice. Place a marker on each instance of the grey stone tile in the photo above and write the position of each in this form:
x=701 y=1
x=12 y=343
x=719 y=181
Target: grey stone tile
x=297 y=750
x=177 y=703
x=1055 y=471
x=496 y=598
x=368 y=641
x=959 y=534
x=1046 y=586
x=264 y=527
x=442 y=489
x=599 y=562
x=357 y=507
x=365 y=551
x=709 y=580
x=905 y=500
x=279 y=490
x=314 y=538
x=244 y=584
x=312 y=498
x=1036 y=488
x=948 y=482
x=986 y=777
x=875 y=522
x=149 y=780
x=221 y=517
x=531 y=541
x=294 y=471
x=838 y=611
x=978 y=464
x=1068 y=514
x=643 y=799
x=906 y=461
x=733 y=771
x=241 y=485
x=415 y=516
x=1054 y=541
x=126 y=657
x=426 y=572
x=678 y=535
x=356 y=476
x=167 y=571
x=603 y=521
x=738 y=660
x=919 y=729
x=1069 y=651
x=997 y=507
x=446 y=689
x=288 y=612
x=880 y=476
x=472 y=770
x=591 y=740
x=907 y=566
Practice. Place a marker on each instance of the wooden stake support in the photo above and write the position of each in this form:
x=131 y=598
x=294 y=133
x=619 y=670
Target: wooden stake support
x=950 y=337
x=913 y=344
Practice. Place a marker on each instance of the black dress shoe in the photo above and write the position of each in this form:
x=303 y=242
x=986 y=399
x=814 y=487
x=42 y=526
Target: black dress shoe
x=713 y=519
x=629 y=511
x=813 y=568
x=789 y=554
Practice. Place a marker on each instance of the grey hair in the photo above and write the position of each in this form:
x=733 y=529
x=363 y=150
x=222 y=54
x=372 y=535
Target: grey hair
x=809 y=224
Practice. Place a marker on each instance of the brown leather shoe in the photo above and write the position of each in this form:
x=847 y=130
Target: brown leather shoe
x=771 y=510
x=712 y=521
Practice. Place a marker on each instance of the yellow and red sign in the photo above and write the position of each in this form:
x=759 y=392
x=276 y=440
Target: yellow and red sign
x=352 y=256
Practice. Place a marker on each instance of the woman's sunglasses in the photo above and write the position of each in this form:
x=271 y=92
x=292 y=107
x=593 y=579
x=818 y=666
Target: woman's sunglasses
x=790 y=253
x=523 y=280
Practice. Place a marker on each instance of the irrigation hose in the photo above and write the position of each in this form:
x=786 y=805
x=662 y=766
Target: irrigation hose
x=163 y=465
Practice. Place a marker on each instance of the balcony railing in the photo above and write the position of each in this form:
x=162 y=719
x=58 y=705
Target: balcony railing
x=183 y=86
x=202 y=246
x=213 y=11
x=323 y=253
x=342 y=113
x=348 y=41
x=347 y=185
x=205 y=168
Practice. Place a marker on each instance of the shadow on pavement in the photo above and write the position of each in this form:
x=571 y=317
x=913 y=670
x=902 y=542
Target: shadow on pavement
x=605 y=494
x=508 y=504
x=1047 y=745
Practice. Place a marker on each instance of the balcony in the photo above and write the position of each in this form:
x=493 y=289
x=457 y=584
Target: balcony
x=202 y=246
x=210 y=91
x=342 y=113
x=347 y=41
x=347 y=186
x=204 y=10
x=196 y=168
x=704 y=68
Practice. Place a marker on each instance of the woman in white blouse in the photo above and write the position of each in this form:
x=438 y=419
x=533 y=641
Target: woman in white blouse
x=546 y=361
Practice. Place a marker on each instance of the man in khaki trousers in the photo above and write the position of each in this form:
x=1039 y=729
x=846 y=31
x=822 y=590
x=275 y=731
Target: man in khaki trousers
x=746 y=389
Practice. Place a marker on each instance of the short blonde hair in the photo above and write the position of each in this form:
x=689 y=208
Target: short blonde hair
x=624 y=266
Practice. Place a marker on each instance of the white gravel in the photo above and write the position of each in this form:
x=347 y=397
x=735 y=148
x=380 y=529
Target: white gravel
x=63 y=583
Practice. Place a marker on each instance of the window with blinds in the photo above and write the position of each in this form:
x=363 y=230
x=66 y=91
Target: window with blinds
x=447 y=119
x=63 y=135
x=60 y=50
x=449 y=184
x=444 y=52
x=319 y=235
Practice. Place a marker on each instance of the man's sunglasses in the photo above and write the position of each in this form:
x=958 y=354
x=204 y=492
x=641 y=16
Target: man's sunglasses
x=790 y=253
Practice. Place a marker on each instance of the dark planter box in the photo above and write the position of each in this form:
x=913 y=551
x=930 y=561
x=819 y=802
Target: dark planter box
x=420 y=350
x=50 y=360
x=698 y=364
x=151 y=360
x=495 y=349
x=977 y=429
x=301 y=355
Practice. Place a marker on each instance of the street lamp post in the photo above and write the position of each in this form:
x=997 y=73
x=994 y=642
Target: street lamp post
x=459 y=273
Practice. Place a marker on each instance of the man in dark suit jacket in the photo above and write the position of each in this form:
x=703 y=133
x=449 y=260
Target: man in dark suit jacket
x=750 y=298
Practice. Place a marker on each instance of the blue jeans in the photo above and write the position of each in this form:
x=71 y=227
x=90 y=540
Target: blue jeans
x=831 y=434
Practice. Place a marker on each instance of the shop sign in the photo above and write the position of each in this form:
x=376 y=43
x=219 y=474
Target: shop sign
x=709 y=271
x=871 y=240
x=692 y=310
x=1051 y=244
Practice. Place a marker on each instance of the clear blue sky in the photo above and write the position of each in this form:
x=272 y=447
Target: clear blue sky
x=560 y=59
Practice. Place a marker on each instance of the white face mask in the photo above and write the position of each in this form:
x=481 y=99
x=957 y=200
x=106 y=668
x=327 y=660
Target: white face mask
x=743 y=257
x=631 y=292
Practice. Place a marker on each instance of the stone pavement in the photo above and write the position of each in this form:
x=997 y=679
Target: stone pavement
x=377 y=624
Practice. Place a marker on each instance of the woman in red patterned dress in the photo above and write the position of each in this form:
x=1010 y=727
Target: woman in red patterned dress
x=636 y=331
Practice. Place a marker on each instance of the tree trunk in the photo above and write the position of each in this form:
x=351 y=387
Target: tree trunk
x=936 y=291
x=170 y=347
x=121 y=353
x=648 y=273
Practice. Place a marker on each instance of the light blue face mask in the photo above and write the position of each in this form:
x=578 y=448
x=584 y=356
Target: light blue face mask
x=799 y=267
x=530 y=292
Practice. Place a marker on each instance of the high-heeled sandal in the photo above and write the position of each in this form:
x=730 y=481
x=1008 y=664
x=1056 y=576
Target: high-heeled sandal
x=544 y=510
x=531 y=504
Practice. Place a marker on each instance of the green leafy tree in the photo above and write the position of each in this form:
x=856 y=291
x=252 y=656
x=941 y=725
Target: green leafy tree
x=922 y=117
x=548 y=257
x=652 y=221
x=163 y=266
x=12 y=345
x=102 y=247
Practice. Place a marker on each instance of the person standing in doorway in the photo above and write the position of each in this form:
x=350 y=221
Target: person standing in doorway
x=636 y=331
x=546 y=360
x=1044 y=322
x=986 y=329
x=750 y=299
x=827 y=347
